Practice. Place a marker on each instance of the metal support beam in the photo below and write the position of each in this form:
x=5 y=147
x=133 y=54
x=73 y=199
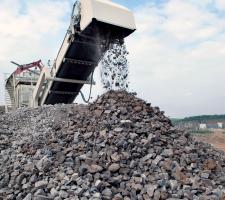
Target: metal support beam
x=86 y=43
x=81 y=62
x=63 y=92
x=45 y=73
x=70 y=81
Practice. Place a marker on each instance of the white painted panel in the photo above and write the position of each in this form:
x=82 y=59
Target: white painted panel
x=106 y=11
x=86 y=13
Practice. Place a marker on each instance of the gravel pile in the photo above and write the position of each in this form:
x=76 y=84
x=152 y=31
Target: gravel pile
x=117 y=148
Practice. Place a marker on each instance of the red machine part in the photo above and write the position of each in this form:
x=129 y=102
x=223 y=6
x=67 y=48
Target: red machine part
x=27 y=67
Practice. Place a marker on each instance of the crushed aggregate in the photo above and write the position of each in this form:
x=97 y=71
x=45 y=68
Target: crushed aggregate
x=118 y=147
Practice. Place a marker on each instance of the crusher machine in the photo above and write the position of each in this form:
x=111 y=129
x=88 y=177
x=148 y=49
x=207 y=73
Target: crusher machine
x=94 y=25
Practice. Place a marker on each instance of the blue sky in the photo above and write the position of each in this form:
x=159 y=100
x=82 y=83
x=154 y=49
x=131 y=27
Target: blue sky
x=131 y=4
x=177 y=54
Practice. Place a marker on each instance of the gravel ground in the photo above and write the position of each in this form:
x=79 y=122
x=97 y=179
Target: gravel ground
x=118 y=147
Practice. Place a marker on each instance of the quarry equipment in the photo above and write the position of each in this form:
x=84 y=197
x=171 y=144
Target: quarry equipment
x=20 y=84
x=94 y=25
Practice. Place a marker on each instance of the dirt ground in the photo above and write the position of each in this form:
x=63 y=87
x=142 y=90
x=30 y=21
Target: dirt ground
x=217 y=139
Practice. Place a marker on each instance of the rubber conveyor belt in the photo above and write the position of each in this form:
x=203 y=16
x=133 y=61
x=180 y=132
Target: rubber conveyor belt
x=80 y=60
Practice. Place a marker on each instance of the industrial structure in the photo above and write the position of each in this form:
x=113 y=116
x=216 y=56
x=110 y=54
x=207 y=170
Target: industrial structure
x=94 y=25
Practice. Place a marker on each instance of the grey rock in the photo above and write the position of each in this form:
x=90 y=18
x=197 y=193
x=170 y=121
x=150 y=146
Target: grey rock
x=205 y=175
x=157 y=160
x=151 y=189
x=54 y=192
x=44 y=164
x=107 y=194
x=42 y=197
x=118 y=130
x=173 y=184
x=40 y=184
x=63 y=194
x=28 y=197
x=95 y=168
x=114 y=167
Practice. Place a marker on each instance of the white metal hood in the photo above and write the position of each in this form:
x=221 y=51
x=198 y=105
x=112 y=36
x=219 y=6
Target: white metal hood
x=106 y=11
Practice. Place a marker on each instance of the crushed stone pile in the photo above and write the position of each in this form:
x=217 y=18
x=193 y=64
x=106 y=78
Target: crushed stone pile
x=118 y=147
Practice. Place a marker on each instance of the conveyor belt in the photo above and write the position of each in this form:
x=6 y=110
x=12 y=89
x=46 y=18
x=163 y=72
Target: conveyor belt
x=80 y=60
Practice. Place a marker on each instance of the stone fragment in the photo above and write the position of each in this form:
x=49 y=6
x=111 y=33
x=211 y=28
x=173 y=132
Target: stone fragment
x=42 y=197
x=205 y=175
x=44 y=164
x=157 y=160
x=137 y=108
x=107 y=194
x=147 y=157
x=118 y=130
x=151 y=189
x=98 y=183
x=209 y=164
x=54 y=192
x=115 y=157
x=28 y=197
x=98 y=113
x=167 y=152
x=95 y=169
x=114 y=167
x=133 y=135
x=63 y=194
x=173 y=184
x=40 y=184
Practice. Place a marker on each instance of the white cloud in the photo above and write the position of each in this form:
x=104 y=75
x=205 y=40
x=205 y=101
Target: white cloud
x=220 y=4
x=30 y=31
x=177 y=57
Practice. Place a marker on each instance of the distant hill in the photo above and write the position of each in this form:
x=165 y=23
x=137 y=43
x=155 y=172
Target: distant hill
x=199 y=119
